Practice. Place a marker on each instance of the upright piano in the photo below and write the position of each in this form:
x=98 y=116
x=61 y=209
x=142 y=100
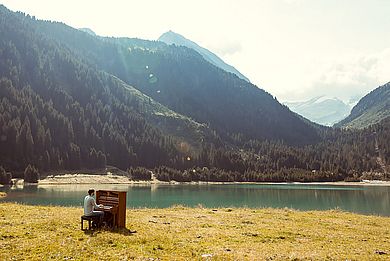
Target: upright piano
x=114 y=202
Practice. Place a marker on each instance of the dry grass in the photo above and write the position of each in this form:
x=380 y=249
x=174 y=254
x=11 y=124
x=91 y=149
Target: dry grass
x=179 y=233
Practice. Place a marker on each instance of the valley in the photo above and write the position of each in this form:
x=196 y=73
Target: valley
x=194 y=130
x=71 y=100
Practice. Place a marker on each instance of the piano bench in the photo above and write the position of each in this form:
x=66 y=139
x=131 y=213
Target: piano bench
x=89 y=219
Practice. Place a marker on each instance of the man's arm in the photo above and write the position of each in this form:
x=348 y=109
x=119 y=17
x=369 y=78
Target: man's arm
x=95 y=205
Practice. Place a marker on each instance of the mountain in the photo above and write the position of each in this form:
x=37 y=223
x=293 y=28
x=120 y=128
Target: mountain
x=177 y=39
x=71 y=100
x=322 y=110
x=88 y=31
x=371 y=109
x=79 y=91
x=183 y=81
x=59 y=112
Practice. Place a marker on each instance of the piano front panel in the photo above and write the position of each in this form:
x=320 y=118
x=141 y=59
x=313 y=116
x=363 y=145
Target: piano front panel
x=116 y=199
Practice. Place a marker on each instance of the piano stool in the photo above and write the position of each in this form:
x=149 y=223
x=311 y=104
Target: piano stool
x=89 y=219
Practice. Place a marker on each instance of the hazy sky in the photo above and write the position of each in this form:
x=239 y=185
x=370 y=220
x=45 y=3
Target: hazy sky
x=294 y=49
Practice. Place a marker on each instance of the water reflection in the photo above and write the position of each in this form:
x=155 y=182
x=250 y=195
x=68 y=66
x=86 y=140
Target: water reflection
x=360 y=199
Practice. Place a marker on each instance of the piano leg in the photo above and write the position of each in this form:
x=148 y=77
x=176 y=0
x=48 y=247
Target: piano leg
x=110 y=219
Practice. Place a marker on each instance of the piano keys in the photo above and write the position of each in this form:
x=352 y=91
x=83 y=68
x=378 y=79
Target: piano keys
x=114 y=203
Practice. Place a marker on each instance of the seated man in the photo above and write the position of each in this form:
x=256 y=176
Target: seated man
x=90 y=206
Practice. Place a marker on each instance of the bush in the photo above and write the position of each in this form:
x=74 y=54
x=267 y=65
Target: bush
x=139 y=173
x=5 y=178
x=31 y=174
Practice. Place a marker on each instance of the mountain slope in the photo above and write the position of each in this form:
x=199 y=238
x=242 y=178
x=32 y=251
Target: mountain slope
x=67 y=102
x=185 y=82
x=177 y=39
x=56 y=111
x=322 y=110
x=371 y=109
x=88 y=31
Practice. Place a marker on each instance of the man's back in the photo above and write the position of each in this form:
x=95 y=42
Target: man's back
x=89 y=205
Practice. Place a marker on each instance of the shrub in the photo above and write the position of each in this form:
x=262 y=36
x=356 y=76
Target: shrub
x=139 y=173
x=31 y=174
x=5 y=178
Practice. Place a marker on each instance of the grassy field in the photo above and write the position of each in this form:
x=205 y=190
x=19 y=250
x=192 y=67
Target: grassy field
x=178 y=233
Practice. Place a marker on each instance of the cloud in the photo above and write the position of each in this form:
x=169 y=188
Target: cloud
x=230 y=48
x=292 y=1
x=225 y=48
x=347 y=78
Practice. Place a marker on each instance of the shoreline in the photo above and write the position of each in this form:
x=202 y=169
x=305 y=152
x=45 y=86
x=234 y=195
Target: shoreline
x=117 y=179
x=84 y=179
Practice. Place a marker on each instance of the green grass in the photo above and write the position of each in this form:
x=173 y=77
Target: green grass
x=177 y=233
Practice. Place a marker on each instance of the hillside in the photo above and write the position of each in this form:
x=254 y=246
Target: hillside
x=322 y=110
x=182 y=80
x=71 y=100
x=61 y=110
x=88 y=30
x=179 y=40
x=371 y=109
x=56 y=111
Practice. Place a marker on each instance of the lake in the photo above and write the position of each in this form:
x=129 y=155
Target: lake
x=359 y=199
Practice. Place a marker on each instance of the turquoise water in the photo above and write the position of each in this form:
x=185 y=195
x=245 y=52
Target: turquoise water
x=360 y=199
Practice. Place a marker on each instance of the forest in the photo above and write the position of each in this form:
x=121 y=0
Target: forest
x=70 y=101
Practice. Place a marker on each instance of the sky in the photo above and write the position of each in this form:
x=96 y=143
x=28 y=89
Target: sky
x=294 y=49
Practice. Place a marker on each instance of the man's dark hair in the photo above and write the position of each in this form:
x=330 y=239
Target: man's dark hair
x=90 y=191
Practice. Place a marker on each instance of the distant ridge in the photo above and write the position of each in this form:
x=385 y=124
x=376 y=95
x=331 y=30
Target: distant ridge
x=71 y=101
x=371 y=109
x=322 y=109
x=88 y=31
x=177 y=39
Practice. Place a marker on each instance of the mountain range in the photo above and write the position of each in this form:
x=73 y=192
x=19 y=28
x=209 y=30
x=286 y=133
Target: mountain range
x=179 y=40
x=183 y=81
x=322 y=109
x=371 y=109
x=70 y=99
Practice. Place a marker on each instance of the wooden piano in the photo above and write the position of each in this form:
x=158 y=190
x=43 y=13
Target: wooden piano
x=114 y=203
